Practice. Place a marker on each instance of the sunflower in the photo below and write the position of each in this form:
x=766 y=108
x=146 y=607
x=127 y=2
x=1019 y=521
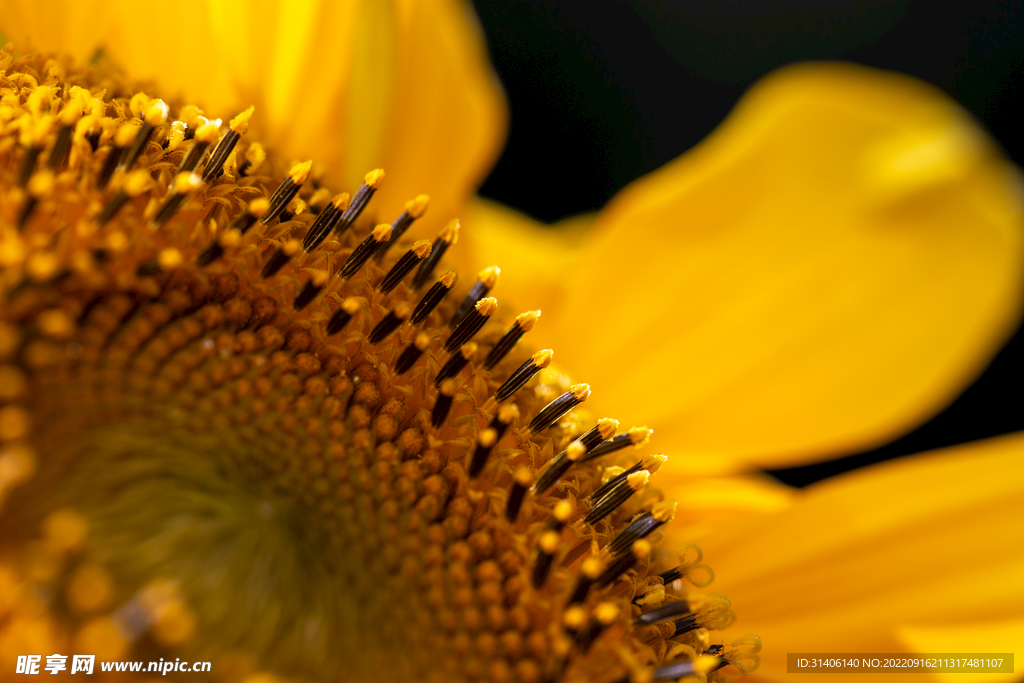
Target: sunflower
x=241 y=456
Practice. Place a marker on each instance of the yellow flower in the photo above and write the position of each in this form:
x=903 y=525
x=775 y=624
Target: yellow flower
x=828 y=269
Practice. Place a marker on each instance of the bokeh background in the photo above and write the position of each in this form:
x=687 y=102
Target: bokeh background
x=612 y=90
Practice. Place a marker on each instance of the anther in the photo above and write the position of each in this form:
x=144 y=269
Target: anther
x=604 y=616
x=325 y=222
x=167 y=259
x=704 y=664
x=636 y=437
x=521 y=480
x=349 y=307
x=256 y=210
x=39 y=186
x=660 y=615
x=523 y=374
x=456 y=363
x=558 y=466
x=204 y=137
x=419 y=251
x=434 y=295
x=314 y=285
x=715 y=616
x=651 y=463
x=443 y=403
x=546 y=547
x=523 y=324
x=255 y=155
x=182 y=187
x=602 y=431
x=287 y=190
x=486 y=279
x=642 y=526
x=371 y=181
x=155 y=115
x=135 y=183
x=414 y=208
x=362 y=253
x=390 y=322
x=294 y=208
x=62 y=145
x=553 y=412
x=448 y=236
x=618 y=495
x=236 y=129
x=590 y=569
x=490 y=436
x=471 y=324
x=122 y=138
x=412 y=353
x=639 y=551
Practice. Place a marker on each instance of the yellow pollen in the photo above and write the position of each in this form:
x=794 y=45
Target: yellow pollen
x=448 y=278
x=299 y=173
x=638 y=480
x=186 y=183
x=352 y=305
x=489 y=276
x=418 y=206
x=575 y=451
x=169 y=258
x=580 y=391
x=639 y=436
x=341 y=201
x=563 y=510
x=508 y=413
x=259 y=207
x=422 y=248
x=156 y=113
x=450 y=232
x=664 y=511
x=653 y=463
x=208 y=131
x=527 y=320
x=549 y=541
x=382 y=233
x=126 y=134
x=374 y=178
x=606 y=427
x=487 y=305
x=137 y=182
x=240 y=124
x=542 y=358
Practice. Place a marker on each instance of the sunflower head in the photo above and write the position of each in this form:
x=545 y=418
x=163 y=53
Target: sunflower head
x=240 y=424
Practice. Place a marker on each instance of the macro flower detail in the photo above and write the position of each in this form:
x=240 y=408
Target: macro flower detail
x=236 y=426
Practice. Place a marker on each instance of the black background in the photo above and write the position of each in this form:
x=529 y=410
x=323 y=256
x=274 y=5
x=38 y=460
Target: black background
x=611 y=90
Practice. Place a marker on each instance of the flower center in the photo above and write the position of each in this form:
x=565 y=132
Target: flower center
x=240 y=424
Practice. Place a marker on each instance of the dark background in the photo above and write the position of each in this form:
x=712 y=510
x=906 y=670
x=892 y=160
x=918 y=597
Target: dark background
x=617 y=88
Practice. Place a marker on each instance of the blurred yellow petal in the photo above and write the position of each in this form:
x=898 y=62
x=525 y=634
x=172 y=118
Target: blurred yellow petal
x=923 y=554
x=537 y=262
x=831 y=267
x=355 y=85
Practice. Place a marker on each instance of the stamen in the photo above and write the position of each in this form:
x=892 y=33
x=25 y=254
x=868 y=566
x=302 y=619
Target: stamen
x=642 y=526
x=558 y=466
x=349 y=307
x=205 y=136
x=167 y=259
x=523 y=324
x=638 y=551
x=122 y=138
x=486 y=279
x=521 y=480
x=490 y=436
x=33 y=135
x=471 y=324
x=314 y=285
x=618 y=495
x=254 y=158
x=443 y=404
x=371 y=181
x=660 y=615
x=434 y=295
x=651 y=463
x=294 y=208
x=590 y=569
x=68 y=119
x=324 y=223
x=412 y=353
x=605 y=614
x=456 y=363
x=182 y=187
x=636 y=437
x=236 y=129
x=134 y=184
x=40 y=185
x=546 y=547
x=448 y=236
x=704 y=664
x=390 y=322
x=414 y=208
x=287 y=190
x=554 y=411
x=602 y=431
x=362 y=253
x=419 y=251
x=523 y=374
x=156 y=115
x=257 y=209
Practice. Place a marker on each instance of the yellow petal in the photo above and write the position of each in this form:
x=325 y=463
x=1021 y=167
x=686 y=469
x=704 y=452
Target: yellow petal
x=537 y=262
x=828 y=269
x=923 y=554
x=353 y=84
